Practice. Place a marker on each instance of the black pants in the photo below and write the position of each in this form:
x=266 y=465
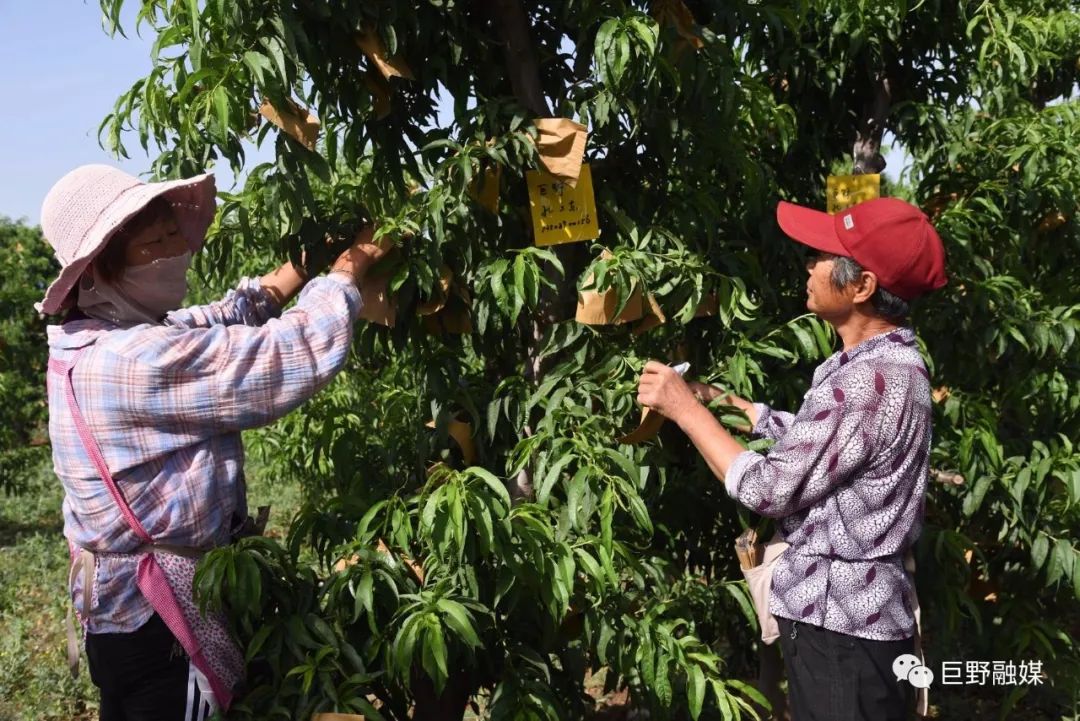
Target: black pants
x=144 y=675
x=836 y=677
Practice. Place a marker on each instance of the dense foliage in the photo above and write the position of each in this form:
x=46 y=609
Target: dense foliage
x=28 y=269
x=420 y=575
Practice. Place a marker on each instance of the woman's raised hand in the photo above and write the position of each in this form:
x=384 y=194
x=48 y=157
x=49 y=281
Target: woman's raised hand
x=362 y=254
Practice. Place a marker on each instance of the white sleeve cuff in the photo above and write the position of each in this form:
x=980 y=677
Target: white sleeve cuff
x=736 y=470
x=762 y=416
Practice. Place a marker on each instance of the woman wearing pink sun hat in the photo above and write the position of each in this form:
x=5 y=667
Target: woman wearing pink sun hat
x=146 y=405
x=846 y=476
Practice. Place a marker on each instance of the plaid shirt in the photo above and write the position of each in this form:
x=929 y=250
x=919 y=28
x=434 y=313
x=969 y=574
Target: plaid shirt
x=847 y=478
x=166 y=404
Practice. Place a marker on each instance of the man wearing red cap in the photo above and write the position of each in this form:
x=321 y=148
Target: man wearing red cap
x=847 y=474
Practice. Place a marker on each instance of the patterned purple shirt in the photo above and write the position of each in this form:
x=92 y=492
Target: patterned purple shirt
x=846 y=479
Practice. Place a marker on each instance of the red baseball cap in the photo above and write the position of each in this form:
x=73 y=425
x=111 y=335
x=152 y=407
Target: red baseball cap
x=887 y=236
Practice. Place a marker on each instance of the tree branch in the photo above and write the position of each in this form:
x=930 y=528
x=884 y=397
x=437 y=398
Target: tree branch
x=512 y=22
x=867 y=150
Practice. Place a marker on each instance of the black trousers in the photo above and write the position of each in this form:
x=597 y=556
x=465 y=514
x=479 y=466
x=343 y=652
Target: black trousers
x=836 y=677
x=144 y=675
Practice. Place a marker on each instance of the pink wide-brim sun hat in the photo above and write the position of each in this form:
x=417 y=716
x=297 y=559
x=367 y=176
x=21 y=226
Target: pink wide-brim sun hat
x=88 y=205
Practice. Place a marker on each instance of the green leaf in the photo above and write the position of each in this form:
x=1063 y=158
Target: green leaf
x=257 y=641
x=404 y=643
x=193 y=12
x=322 y=630
x=749 y=691
x=806 y=342
x=647 y=30
x=973 y=501
x=723 y=700
x=1020 y=484
x=258 y=65
x=519 y=287
x=460 y=620
x=363 y=528
x=607 y=514
x=365 y=591
x=626 y=465
x=482 y=518
x=1039 y=549
x=274 y=49
x=551 y=477
x=1061 y=561
x=821 y=335
x=622 y=57
x=646 y=657
x=662 y=680
x=498 y=288
x=1076 y=575
x=638 y=510
x=739 y=591
x=497 y=487
x=578 y=495
x=433 y=653
x=221 y=107
x=427 y=518
x=695 y=690
x=592 y=568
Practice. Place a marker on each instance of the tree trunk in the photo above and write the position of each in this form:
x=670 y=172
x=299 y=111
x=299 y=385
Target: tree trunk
x=447 y=706
x=867 y=150
x=512 y=23
x=521 y=65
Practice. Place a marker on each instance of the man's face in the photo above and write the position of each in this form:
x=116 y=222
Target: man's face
x=822 y=297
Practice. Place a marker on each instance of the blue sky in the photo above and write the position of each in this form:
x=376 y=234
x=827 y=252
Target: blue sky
x=62 y=74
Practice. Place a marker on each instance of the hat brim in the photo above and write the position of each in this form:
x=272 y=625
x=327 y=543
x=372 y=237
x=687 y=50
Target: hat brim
x=192 y=202
x=810 y=227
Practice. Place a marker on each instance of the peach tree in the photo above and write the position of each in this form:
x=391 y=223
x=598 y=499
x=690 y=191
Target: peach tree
x=474 y=531
x=24 y=432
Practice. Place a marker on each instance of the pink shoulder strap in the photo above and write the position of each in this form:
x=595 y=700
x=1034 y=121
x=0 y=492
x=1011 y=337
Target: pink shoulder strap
x=149 y=576
x=91 y=446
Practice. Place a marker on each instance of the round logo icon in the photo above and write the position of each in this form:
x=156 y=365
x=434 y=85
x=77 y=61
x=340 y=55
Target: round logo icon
x=902 y=666
x=920 y=677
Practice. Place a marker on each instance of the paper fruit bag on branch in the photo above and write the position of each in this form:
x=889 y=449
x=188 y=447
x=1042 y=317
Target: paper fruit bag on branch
x=378 y=305
x=655 y=317
x=560 y=143
x=449 y=307
x=390 y=66
x=295 y=120
x=602 y=307
x=648 y=427
x=461 y=432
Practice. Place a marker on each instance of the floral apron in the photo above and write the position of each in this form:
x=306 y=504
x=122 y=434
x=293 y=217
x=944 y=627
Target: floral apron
x=165 y=574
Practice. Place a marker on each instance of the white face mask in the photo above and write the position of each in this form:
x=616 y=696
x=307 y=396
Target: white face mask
x=143 y=293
